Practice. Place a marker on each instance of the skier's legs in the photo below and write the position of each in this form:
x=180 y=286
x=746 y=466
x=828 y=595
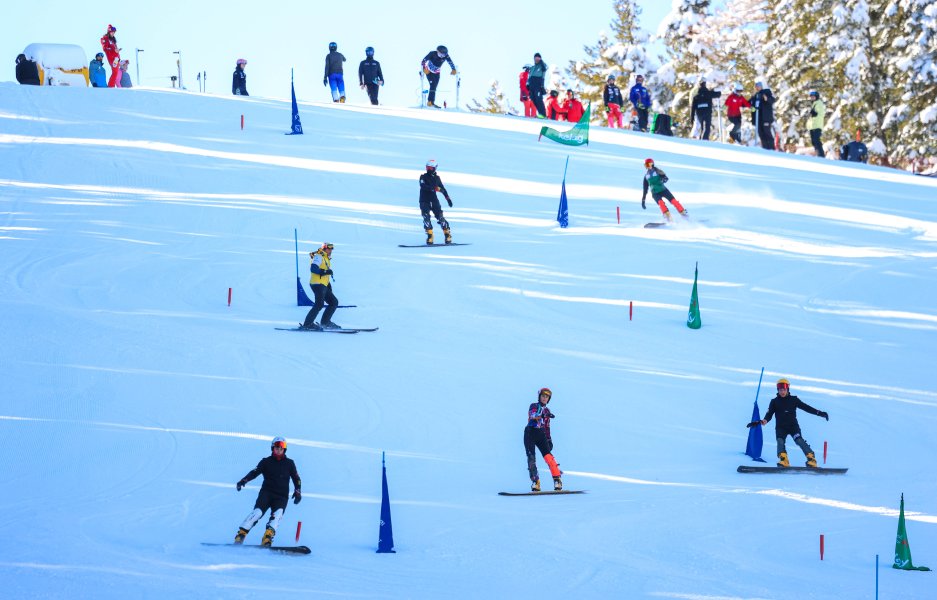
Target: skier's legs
x=642 y=119
x=115 y=77
x=662 y=205
x=530 y=449
x=433 y=79
x=817 y=144
x=767 y=139
x=554 y=467
x=800 y=441
x=437 y=212
x=319 y=291
x=706 y=122
x=782 y=447
x=735 y=134
x=425 y=211
x=333 y=86
x=529 y=109
x=332 y=304
x=252 y=519
x=373 y=89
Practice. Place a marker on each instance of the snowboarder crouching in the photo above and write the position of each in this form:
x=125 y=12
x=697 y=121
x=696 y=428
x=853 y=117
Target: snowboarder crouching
x=277 y=471
x=655 y=179
x=537 y=435
x=785 y=406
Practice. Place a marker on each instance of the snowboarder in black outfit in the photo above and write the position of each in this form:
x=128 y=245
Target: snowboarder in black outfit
x=763 y=115
x=321 y=284
x=239 y=81
x=277 y=471
x=369 y=75
x=537 y=435
x=702 y=108
x=432 y=66
x=430 y=183
x=785 y=406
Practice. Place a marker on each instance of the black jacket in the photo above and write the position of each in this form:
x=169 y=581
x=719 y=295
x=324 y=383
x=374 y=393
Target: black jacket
x=429 y=182
x=27 y=73
x=763 y=103
x=369 y=71
x=434 y=62
x=239 y=82
x=612 y=95
x=333 y=62
x=277 y=475
x=703 y=101
x=785 y=409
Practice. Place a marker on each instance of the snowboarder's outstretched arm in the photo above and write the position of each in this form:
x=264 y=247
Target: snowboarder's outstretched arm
x=807 y=408
x=251 y=475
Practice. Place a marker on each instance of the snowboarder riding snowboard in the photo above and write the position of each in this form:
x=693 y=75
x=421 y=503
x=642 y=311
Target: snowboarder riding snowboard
x=430 y=183
x=274 y=493
x=655 y=179
x=537 y=435
x=785 y=407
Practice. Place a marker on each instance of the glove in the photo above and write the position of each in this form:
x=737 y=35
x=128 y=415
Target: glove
x=453 y=72
x=363 y=86
x=824 y=415
x=297 y=497
x=325 y=81
x=643 y=205
x=525 y=98
x=426 y=69
x=449 y=200
x=327 y=272
x=813 y=113
x=241 y=484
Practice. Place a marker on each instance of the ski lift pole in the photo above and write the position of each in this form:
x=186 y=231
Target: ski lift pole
x=137 y=59
x=179 y=66
x=458 y=87
x=423 y=90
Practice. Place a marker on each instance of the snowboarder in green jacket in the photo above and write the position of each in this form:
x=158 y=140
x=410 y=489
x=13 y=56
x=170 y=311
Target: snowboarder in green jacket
x=655 y=179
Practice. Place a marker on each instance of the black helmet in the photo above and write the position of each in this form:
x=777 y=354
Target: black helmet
x=369 y=51
x=554 y=93
x=333 y=46
x=442 y=50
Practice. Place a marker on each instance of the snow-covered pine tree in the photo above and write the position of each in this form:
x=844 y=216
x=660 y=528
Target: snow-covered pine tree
x=622 y=56
x=496 y=102
x=682 y=32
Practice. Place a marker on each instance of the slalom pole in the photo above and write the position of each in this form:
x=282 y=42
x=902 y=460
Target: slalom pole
x=757 y=391
x=296 y=242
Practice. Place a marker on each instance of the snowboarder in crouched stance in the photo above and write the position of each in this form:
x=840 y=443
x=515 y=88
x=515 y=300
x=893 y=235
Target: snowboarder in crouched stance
x=277 y=470
x=430 y=183
x=536 y=435
x=655 y=179
x=785 y=406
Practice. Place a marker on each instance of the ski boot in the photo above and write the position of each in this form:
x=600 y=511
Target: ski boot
x=667 y=217
x=330 y=325
x=557 y=484
x=342 y=100
x=683 y=213
x=535 y=486
x=429 y=237
x=448 y=236
x=811 y=460
x=268 y=537
x=239 y=538
x=782 y=460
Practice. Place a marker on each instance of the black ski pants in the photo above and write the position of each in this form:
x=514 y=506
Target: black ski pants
x=433 y=79
x=324 y=295
x=373 y=88
x=705 y=117
x=817 y=144
x=781 y=436
x=436 y=208
x=535 y=86
x=535 y=439
x=642 y=119
x=736 y=133
x=766 y=135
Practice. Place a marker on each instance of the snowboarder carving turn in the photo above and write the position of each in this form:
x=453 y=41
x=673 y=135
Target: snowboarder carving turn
x=277 y=471
x=785 y=406
x=430 y=184
x=537 y=435
x=655 y=179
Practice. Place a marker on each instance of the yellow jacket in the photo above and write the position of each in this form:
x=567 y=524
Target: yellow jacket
x=817 y=114
x=320 y=262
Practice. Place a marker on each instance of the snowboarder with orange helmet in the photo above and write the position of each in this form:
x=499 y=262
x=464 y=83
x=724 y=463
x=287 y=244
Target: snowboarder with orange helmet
x=277 y=471
x=655 y=179
x=537 y=435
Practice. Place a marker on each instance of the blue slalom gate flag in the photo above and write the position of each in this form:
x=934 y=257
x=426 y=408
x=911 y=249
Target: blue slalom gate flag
x=385 y=538
x=297 y=128
x=562 y=214
x=755 y=439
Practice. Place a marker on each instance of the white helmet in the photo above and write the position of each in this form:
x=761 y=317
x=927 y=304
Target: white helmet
x=431 y=164
x=278 y=442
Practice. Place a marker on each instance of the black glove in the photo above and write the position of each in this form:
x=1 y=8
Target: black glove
x=325 y=81
x=327 y=272
x=241 y=484
x=297 y=497
x=643 y=205
x=824 y=415
x=813 y=112
x=449 y=200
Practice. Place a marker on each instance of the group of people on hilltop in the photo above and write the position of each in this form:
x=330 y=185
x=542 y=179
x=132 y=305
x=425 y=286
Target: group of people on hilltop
x=111 y=51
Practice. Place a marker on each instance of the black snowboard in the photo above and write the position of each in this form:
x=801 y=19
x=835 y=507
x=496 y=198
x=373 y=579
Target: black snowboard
x=278 y=549
x=812 y=470
x=653 y=225
x=430 y=245
x=543 y=493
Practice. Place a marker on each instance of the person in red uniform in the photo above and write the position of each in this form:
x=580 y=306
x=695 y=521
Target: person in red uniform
x=574 y=110
x=734 y=104
x=109 y=45
x=555 y=110
x=529 y=109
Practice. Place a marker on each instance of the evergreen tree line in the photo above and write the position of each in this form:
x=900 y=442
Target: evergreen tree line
x=873 y=62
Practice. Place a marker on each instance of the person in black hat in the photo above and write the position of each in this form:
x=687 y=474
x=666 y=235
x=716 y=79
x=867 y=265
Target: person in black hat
x=536 y=79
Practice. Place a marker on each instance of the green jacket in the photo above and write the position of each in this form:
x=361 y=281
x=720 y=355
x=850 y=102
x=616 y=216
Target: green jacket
x=655 y=180
x=538 y=70
x=817 y=114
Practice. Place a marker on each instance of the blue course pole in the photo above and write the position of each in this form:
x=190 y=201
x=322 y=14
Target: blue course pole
x=876 y=577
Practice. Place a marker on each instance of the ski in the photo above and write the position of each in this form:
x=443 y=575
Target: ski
x=279 y=549
x=812 y=470
x=431 y=245
x=316 y=330
x=543 y=493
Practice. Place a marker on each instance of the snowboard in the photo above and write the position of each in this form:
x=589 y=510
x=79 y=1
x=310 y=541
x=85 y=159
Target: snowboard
x=543 y=493
x=430 y=245
x=812 y=470
x=665 y=224
x=342 y=330
x=278 y=549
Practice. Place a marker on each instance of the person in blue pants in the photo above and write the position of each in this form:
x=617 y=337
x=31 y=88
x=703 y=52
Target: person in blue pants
x=334 y=77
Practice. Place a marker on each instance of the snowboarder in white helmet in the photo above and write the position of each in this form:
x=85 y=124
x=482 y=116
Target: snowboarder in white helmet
x=785 y=406
x=277 y=471
x=430 y=184
x=239 y=81
x=655 y=179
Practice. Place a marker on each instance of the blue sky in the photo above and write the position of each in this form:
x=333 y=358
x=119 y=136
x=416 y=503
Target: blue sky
x=487 y=39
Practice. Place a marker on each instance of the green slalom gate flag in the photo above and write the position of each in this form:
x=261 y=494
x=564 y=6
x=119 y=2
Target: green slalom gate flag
x=577 y=136
x=902 y=549
x=693 y=320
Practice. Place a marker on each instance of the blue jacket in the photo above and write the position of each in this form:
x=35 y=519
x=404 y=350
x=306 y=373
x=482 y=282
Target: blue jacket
x=97 y=74
x=640 y=97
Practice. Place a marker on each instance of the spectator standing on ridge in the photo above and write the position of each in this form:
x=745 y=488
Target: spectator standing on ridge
x=763 y=115
x=124 y=75
x=529 y=109
x=432 y=66
x=96 y=72
x=641 y=99
x=613 y=101
x=370 y=76
x=536 y=84
x=555 y=110
x=109 y=45
x=574 y=109
x=239 y=79
x=815 y=125
x=702 y=108
x=734 y=104
x=334 y=73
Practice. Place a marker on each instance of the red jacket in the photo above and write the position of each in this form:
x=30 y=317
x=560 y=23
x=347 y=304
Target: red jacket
x=525 y=95
x=574 y=110
x=555 y=110
x=735 y=102
x=110 y=48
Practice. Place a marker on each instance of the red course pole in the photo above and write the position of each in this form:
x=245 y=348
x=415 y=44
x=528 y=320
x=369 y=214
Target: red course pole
x=630 y=309
x=824 y=452
x=821 y=546
x=299 y=525
x=618 y=213
x=242 y=122
x=229 y=296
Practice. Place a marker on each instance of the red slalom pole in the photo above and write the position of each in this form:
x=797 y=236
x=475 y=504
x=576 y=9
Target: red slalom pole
x=242 y=122
x=630 y=309
x=229 y=296
x=821 y=546
x=824 y=452
x=299 y=526
x=618 y=213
